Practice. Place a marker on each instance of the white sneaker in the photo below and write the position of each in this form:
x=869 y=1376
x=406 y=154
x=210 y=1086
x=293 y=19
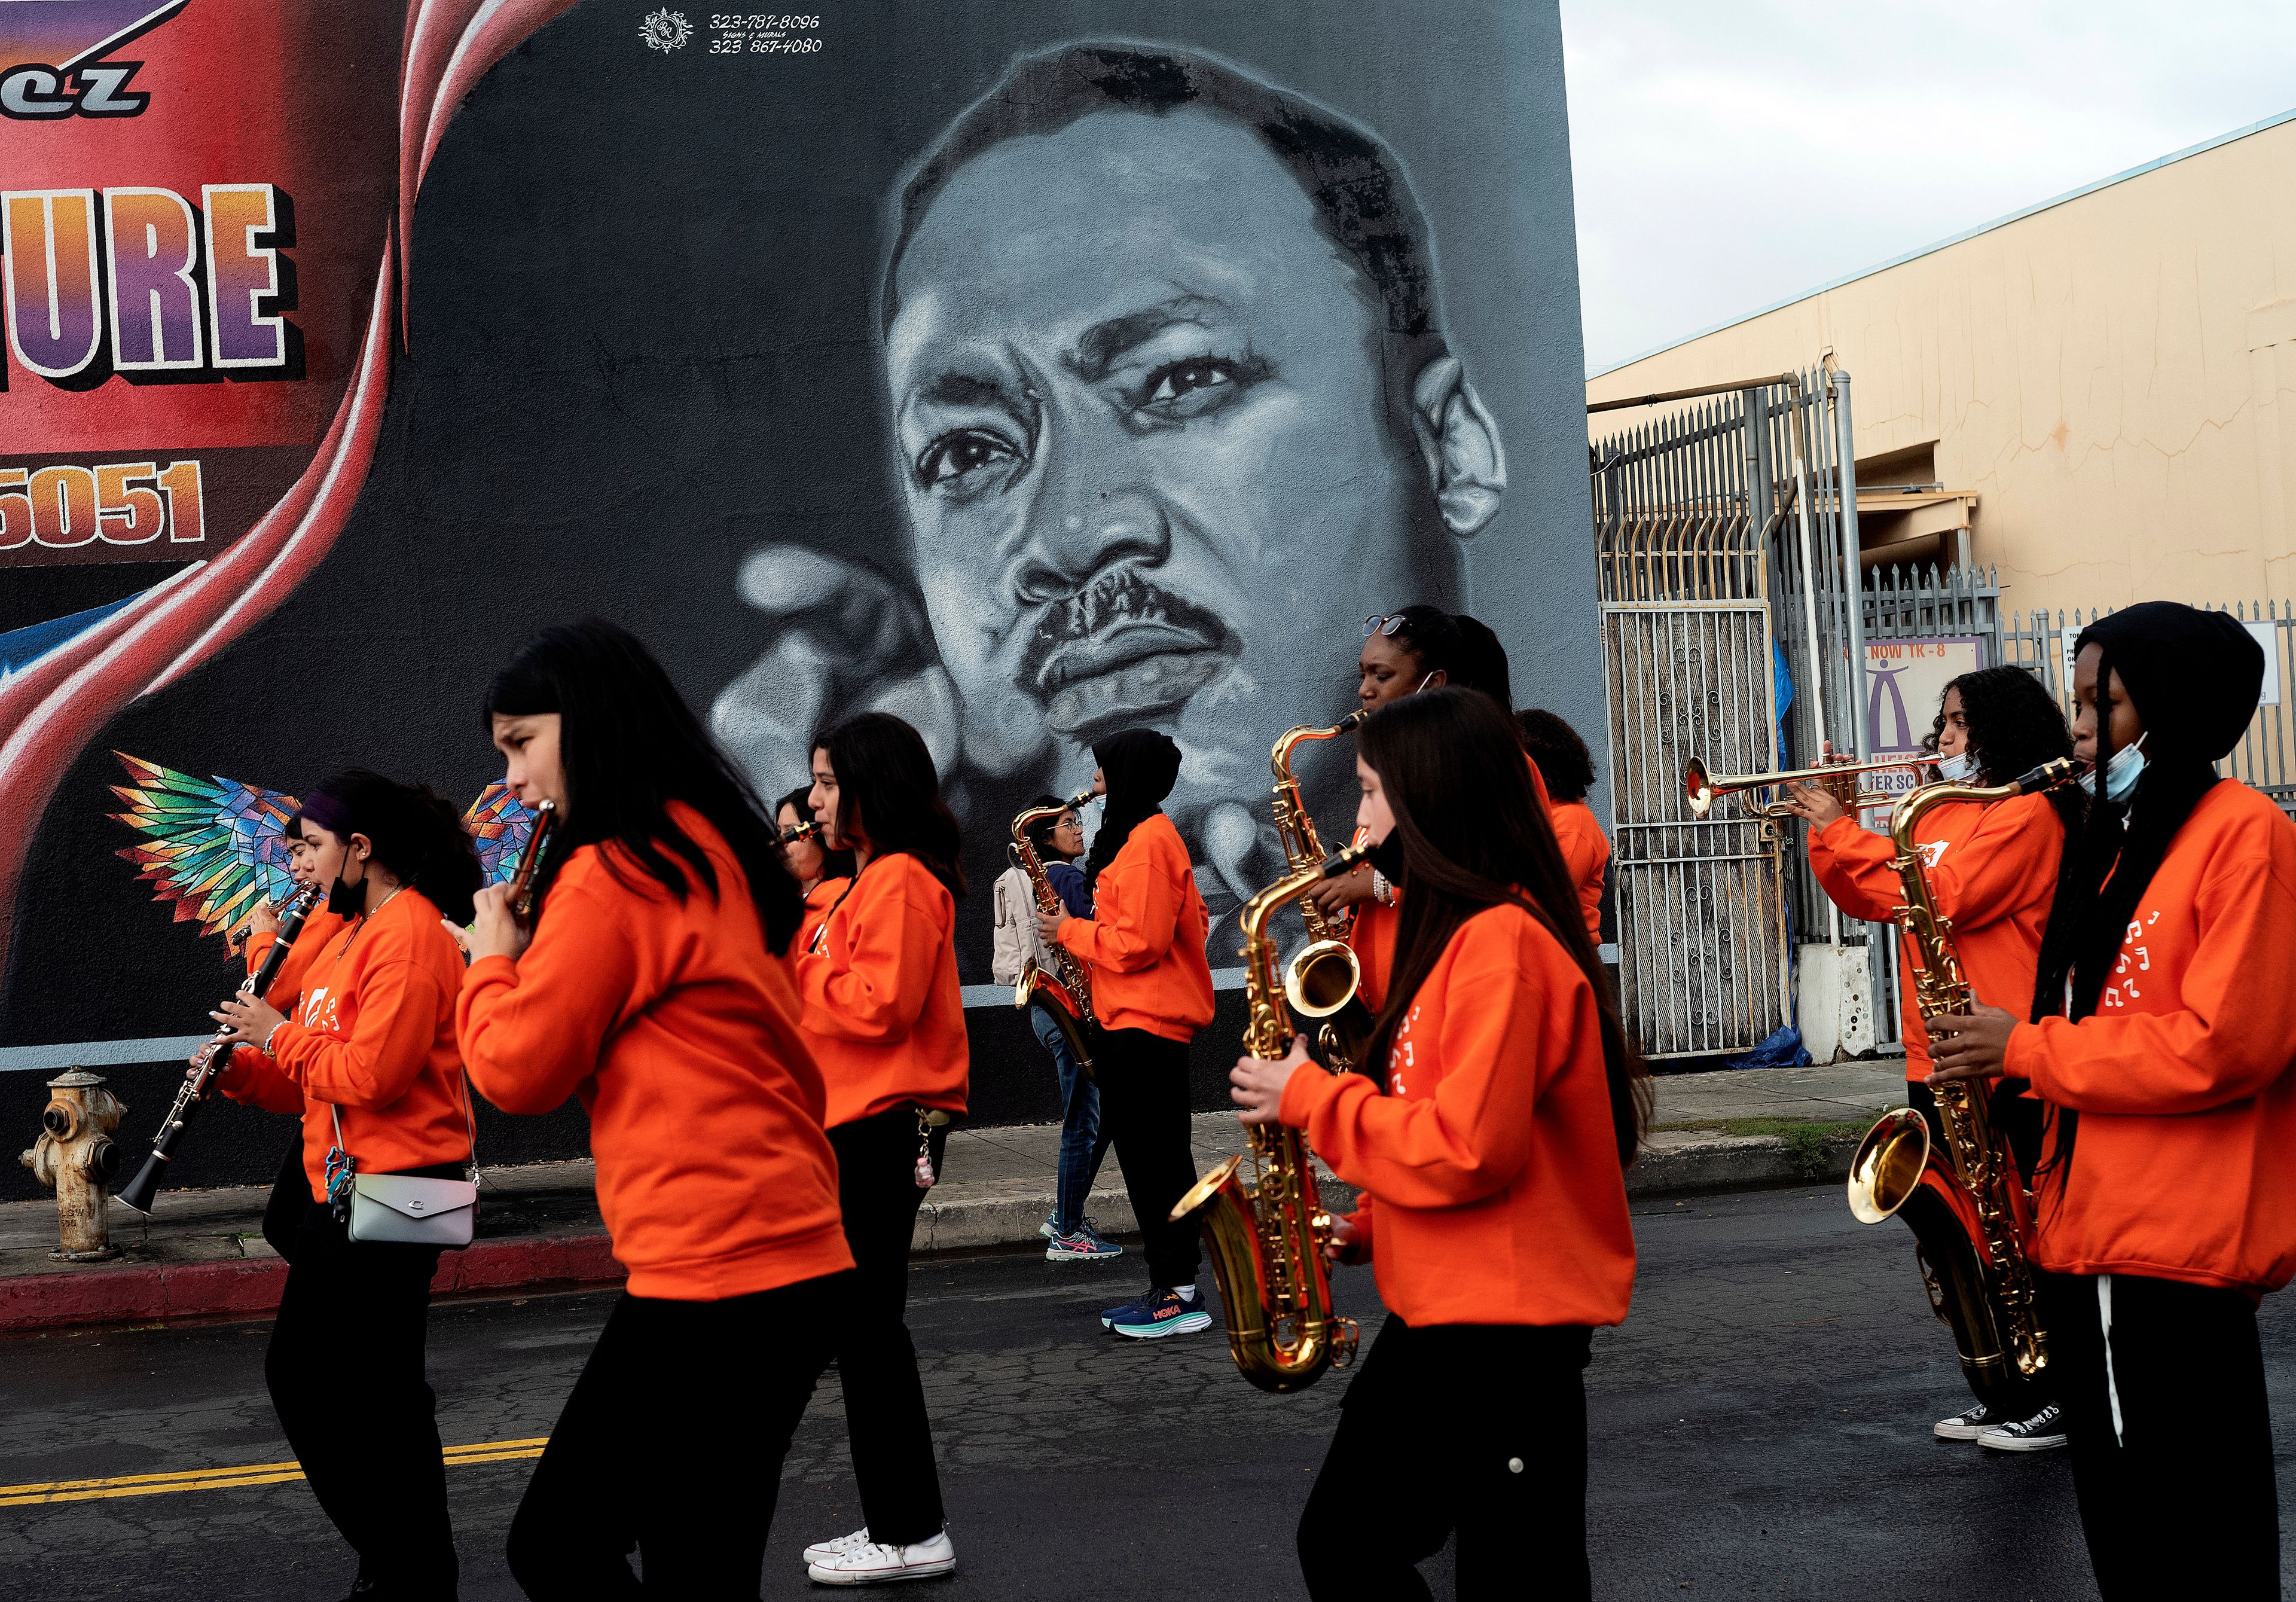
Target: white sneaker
x=870 y=1564
x=823 y=1551
x=2043 y=1431
x=1965 y=1426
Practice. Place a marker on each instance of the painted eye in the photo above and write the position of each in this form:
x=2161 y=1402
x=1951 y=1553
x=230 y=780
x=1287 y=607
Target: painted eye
x=954 y=457
x=1186 y=389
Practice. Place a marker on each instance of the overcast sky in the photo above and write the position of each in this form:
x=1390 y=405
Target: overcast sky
x=1729 y=156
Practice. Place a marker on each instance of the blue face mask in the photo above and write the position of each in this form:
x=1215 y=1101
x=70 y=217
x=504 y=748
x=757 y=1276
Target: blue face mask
x=2120 y=774
x=1958 y=769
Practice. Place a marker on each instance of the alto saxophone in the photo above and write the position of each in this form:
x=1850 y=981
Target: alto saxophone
x=1267 y=1243
x=1066 y=996
x=1322 y=978
x=1970 y=1211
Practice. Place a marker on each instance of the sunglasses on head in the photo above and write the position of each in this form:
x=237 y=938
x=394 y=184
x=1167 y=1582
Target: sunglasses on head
x=1377 y=624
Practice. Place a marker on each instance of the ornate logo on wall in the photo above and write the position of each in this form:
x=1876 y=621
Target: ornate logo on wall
x=50 y=56
x=666 y=31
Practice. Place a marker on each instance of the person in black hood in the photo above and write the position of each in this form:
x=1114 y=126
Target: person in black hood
x=1152 y=990
x=2163 y=1048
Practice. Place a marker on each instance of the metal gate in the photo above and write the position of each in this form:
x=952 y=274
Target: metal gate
x=1726 y=536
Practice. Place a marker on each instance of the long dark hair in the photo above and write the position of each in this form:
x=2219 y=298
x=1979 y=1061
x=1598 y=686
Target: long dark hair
x=885 y=773
x=1138 y=767
x=1482 y=663
x=1432 y=638
x=2014 y=726
x=415 y=831
x=630 y=745
x=834 y=864
x=1474 y=837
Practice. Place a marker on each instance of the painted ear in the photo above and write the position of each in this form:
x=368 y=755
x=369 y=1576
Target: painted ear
x=1459 y=446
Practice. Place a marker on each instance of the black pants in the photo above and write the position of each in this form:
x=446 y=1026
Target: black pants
x=1477 y=1428
x=2179 y=1498
x=1144 y=1106
x=885 y=1418
x=638 y=1460
x=344 y=1370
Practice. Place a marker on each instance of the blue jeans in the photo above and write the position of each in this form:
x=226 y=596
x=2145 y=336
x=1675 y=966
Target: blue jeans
x=1083 y=1142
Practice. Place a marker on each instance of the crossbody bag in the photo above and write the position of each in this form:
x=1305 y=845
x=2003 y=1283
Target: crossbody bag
x=408 y=1208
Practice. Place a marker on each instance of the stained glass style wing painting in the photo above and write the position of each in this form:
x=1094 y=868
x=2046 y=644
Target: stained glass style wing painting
x=499 y=824
x=214 y=847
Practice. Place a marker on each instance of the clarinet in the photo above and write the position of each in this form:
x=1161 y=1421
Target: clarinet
x=521 y=881
x=139 y=1191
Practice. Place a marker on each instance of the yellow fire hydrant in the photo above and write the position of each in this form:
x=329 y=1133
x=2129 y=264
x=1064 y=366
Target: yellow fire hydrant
x=75 y=1157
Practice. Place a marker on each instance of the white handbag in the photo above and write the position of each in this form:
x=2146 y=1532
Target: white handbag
x=410 y=1209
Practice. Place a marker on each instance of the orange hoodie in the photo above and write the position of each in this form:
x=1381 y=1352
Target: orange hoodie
x=1145 y=937
x=883 y=1010
x=818 y=900
x=1585 y=852
x=319 y=930
x=373 y=1039
x=1992 y=871
x=1489 y=1164
x=2186 y=1078
x=1371 y=933
x=679 y=1034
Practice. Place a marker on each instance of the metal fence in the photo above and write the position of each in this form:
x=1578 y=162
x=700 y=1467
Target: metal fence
x=1725 y=533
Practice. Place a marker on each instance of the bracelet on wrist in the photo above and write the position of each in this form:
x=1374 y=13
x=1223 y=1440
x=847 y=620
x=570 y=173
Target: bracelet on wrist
x=271 y=1034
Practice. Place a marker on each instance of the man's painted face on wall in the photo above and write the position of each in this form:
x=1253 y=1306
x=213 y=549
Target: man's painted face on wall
x=1143 y=447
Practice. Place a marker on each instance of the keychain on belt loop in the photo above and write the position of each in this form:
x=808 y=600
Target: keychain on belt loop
x=929 y=1119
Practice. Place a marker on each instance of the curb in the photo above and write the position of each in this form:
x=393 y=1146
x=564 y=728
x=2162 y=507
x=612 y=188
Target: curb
x=144 y=1293
x=1007 y=1216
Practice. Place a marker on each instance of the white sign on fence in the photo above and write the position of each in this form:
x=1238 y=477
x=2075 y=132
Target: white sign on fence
x=1905 y=682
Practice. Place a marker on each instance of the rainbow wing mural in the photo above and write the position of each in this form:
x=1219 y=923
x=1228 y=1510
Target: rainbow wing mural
x=499 y=824
x=215 y=847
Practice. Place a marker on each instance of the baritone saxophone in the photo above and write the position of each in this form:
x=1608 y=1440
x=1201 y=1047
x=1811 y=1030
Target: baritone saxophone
x=1970 y=1209
x=1322 y=978
x=1267 y=1242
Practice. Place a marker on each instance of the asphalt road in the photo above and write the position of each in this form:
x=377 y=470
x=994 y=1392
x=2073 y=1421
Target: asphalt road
x=1760 y=1428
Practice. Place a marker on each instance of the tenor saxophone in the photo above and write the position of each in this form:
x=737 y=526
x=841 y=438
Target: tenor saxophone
x=1267 y=1242
x=1065 y=995
x=1970 y=1209
x=1322 y=978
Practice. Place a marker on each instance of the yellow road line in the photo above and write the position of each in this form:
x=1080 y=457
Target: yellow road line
x=224 y=1479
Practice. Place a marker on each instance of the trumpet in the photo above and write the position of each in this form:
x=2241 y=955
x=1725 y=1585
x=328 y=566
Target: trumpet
x=1837 y=779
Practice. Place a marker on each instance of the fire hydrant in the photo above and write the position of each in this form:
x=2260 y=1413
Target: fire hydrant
x=75 y=1158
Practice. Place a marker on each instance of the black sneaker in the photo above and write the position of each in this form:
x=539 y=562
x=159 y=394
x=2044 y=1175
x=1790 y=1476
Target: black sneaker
x=2043 y=1431
x=1965 y=1426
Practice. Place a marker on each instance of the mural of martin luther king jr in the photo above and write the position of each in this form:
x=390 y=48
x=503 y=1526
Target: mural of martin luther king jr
x=1173 y=411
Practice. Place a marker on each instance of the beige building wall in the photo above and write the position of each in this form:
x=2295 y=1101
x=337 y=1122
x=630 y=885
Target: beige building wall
x=2114 y=376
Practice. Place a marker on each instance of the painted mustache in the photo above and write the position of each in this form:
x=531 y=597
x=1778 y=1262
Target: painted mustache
x=1121 y=650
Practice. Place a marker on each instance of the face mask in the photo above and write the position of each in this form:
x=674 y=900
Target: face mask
x=2120 y=774
x=1386 y=857
x=1957 y=770
x=346 y=900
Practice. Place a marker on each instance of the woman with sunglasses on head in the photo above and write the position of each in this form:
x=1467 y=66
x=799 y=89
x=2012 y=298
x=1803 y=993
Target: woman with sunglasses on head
x=369 y=1063
x=1151 y=991
x=1488 y=1134
x=2163 y=1046
x=884 y=1015
x=1993 y=872
x=1418 y=648
x=821 y=874
x=650 y=986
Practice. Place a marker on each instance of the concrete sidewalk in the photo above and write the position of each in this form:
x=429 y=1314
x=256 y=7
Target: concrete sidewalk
x=203 y=1255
